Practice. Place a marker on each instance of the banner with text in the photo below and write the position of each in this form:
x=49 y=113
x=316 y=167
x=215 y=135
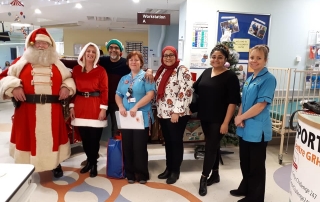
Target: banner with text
x=305 y=174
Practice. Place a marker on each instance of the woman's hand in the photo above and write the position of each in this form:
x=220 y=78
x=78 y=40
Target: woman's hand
x=64 y=93
x=149 y=76
x=123 y=111
x=238 y=121
x=133 y=111
x=72 y=115
x=102 y=114
x=224 y=128
x=174 y=118
x=18 y=94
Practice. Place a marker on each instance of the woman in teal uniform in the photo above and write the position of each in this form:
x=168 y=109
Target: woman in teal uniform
x=254 y=126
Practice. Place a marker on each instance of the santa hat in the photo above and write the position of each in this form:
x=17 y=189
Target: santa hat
x=116 y=42
x=81 y=57
x=40 y=34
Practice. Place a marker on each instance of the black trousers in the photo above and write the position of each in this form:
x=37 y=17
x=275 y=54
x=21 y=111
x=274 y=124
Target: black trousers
x=91 y=142
x=212 y=146
x=252 y=163
x=112 y=108
x=173 y=137
x=135 y=153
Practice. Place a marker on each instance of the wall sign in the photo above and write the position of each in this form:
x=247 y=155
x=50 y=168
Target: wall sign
x=153 y=19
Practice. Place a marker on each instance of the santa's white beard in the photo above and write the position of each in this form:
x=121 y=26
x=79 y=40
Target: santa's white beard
x=44 y=57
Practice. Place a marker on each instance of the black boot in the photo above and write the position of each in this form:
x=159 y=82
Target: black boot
x=94 y=171
x=203 y=186
x=214 y=178
x=173 y=178
x=57 y=172
x=86 y=168
x=165 y=174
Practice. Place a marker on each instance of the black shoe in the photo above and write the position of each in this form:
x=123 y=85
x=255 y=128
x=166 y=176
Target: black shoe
x=86 y=168
x=237 y=193
x=93 y=171
x=173 y=178
x=57 y=172
x=214 y=178
x=165 y=174
x=203 y=186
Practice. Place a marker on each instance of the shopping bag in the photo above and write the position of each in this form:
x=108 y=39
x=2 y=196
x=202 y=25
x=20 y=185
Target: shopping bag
x=115 y=166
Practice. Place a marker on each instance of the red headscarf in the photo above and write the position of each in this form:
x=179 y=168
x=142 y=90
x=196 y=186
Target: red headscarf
x=167 y=74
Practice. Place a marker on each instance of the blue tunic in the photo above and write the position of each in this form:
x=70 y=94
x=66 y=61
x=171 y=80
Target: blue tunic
x=257 y=90
x=140 y=87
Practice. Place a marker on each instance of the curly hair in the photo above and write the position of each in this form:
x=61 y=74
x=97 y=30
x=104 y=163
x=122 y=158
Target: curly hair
x=223 y=49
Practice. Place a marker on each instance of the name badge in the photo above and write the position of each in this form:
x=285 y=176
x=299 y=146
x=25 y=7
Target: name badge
x=132 y=99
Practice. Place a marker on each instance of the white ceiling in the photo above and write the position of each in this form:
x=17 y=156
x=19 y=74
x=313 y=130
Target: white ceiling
x=121 y=14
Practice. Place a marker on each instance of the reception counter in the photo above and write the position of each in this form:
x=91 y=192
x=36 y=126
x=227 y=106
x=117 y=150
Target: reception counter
x=15 y=182
x=305 y=174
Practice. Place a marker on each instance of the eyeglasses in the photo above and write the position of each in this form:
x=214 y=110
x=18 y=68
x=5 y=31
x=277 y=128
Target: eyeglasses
x=42 y=43
x=169 y=56
x=114 y=48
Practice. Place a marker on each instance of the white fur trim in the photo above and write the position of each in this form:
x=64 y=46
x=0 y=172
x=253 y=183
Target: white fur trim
x=15 y=69
x=83 y=50
x=65 y=72
x=27 y=44
x=42 y=161
x=89 y=122
x=104 y=107
x=69 y=83
x=7 y=84
x=43 y=37
x=71 y=105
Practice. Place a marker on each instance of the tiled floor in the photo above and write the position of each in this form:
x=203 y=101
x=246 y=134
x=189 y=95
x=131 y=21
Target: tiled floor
x=79 y=187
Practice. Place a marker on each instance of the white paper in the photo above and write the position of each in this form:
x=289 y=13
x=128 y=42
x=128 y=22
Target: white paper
x=129 y=122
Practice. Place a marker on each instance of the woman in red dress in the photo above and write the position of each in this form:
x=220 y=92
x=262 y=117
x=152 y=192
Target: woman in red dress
x=88 y=108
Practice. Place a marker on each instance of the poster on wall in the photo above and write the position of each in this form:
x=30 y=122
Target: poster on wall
x=199 y=48
x=246 y=30
x=305 y=171
x=200 y=35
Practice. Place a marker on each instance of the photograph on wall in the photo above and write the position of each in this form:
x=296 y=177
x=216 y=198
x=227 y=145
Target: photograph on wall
x=257 y=29
x=242 y=72
x=230 y=25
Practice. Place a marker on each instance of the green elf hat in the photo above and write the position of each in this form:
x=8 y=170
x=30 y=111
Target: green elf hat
x=114 y=41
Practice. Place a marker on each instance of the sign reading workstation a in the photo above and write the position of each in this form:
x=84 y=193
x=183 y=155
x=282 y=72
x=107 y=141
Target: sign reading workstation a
x=153 y=19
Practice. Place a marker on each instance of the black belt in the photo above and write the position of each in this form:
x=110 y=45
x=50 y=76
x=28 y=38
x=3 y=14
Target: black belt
x=89 y=94
x=42 y=98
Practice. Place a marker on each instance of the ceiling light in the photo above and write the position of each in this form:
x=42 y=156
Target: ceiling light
x=78 y=5
x=136 y=1
x=20 y=25
x=37 y=11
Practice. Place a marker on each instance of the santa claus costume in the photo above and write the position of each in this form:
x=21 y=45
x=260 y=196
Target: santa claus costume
x=39 y=134
x=90 y=102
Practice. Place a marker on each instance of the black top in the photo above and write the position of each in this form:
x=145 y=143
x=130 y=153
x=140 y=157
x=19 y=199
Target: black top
x=215 y=95
x=115 y=70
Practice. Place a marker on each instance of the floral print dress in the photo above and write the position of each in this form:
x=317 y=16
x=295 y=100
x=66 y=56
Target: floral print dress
x=178 y=93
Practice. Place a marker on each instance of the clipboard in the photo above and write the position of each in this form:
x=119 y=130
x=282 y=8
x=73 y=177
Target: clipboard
x=129 y=122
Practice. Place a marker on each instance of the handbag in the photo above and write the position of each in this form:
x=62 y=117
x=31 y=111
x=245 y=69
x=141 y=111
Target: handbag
x=115 y=165
x=311 y=105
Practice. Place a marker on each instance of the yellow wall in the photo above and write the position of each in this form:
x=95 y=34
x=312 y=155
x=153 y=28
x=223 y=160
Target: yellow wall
x=99 y=37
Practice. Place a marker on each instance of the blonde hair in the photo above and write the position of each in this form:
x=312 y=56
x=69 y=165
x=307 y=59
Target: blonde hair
x=264 y=48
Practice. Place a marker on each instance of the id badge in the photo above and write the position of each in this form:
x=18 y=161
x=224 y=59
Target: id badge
x=132 y=99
